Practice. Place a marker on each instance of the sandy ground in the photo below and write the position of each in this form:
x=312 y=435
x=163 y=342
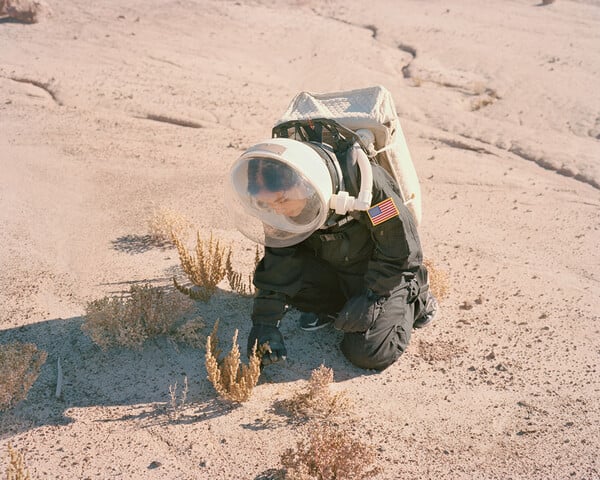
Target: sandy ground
x=499 y=103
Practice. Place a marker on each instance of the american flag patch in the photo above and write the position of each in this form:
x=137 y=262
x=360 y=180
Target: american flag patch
x=382 y=211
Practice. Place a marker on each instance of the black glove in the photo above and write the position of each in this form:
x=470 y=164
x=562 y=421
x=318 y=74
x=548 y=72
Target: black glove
x=267 y=334
x=359 y=313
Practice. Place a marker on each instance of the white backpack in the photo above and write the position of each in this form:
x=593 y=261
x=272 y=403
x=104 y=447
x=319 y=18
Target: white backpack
x=371 y=109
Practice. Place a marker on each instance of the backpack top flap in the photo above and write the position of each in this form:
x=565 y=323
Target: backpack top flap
x=371 y=108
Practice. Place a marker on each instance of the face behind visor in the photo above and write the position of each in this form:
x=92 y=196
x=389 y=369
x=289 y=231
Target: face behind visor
x=281 y=190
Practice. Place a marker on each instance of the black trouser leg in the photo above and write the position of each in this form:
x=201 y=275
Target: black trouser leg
x=387 y=339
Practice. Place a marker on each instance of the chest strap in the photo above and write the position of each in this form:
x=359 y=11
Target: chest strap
x=341 y=222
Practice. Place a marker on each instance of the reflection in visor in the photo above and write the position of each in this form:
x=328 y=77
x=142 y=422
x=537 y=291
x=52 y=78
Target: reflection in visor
x=275 y=187
x=270 y=175
x=276 y=205
x=290 y=203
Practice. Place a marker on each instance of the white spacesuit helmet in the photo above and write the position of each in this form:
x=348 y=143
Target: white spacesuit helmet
x=283 y=190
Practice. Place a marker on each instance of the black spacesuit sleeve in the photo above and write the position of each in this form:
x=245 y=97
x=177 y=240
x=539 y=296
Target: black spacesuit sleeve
x=278 y=274
x=397 y=246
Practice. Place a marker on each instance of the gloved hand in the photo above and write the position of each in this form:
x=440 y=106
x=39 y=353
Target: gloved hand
x=359 y=313
x=267 y=334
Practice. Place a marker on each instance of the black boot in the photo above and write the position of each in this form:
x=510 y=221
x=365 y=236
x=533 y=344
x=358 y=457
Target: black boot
x=310 y=322
x=430 y=311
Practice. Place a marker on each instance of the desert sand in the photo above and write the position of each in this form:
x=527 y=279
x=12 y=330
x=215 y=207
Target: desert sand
x=109 y=110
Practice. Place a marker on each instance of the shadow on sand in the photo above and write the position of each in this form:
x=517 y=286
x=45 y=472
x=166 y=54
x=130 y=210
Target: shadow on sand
x=124 y=377
x=134 y=244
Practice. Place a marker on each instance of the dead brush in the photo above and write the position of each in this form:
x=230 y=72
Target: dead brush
x=328 y=452
x=175 y=407
x=317 y=401
x=129 y=320
x=20 y=365
x=438 y=280
x=16 y=469
x=232 y=380
x=190 y=333
x=163 y=223
x=235 y=279
x=205 y=268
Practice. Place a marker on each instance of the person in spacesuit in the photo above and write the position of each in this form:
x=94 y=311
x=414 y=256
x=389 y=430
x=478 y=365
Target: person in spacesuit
x=360 y=270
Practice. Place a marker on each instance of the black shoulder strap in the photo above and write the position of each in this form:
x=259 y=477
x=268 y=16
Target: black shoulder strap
x=350 y=172
x=322 y=130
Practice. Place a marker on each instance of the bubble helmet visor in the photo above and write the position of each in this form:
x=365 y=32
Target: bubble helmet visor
x=280 y=190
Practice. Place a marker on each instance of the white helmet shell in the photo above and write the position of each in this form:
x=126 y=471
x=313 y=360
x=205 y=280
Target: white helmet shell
x=284 y=171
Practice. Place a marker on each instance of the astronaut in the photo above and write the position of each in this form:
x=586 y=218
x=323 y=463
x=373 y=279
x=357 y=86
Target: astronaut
x=340 y=246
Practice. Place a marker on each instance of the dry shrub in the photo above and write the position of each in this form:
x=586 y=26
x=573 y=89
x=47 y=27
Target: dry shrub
x=477 y=87
x=326 y=450
x=329 y=453
x=235 y=279
x=438 y=280
x=164 y=223
x=205 y=269
x=232 y=380
x=481 y=102
x=129 y=320
x=190 y=333
x=16 y=465
x=175 y=407
x=26 y=11
x=317 y=401
x=20 y=365
x=484 y=96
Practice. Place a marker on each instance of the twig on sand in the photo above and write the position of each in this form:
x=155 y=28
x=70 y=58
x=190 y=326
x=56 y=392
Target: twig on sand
x=59 y=379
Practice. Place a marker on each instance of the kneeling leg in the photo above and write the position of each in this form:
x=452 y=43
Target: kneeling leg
x=386 y=340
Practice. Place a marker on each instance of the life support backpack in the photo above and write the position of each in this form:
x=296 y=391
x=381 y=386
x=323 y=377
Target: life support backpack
x=365 y=116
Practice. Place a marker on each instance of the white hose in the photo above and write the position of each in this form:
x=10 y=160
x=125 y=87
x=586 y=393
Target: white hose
x=363 y=202
x=343 y=202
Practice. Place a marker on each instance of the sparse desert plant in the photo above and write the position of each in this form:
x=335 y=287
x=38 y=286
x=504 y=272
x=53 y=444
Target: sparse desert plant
x=129 y=320
x=205 y=269
x=477 y=87
x=20 y=365
x=317 y=401
x=164 y=223
x=190 y=333
x=235 y=279
x=438 y=280
x=232 y=380
x=175 y=407
x=481 y=102
x=16 y=465
x=26 y=11
x=485 y=96
x=327 y=452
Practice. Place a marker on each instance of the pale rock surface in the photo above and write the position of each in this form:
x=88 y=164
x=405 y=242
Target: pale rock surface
x=111 y=109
